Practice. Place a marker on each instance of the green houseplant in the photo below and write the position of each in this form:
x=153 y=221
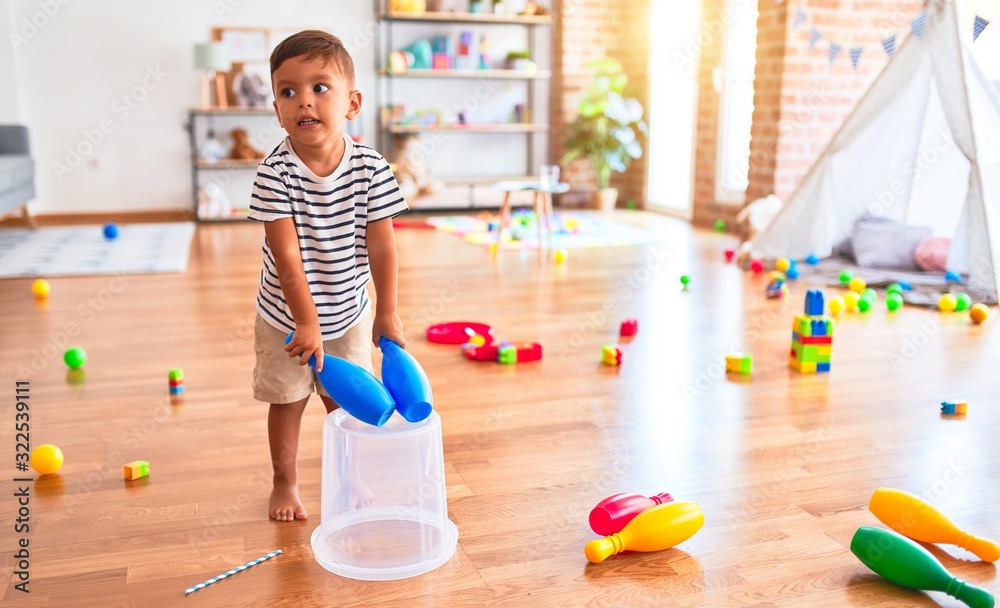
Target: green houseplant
x=604 y=132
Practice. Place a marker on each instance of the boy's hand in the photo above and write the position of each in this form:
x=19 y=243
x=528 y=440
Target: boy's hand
x=306 y=343
x=390 y=326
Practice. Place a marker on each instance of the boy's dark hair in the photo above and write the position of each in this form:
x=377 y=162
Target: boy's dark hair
x=312 y=44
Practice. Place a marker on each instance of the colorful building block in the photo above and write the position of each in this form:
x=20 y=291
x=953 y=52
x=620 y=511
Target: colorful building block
x=611 y=355
x=814 y=303
x=812 y=337
x=740 y=364
x=507 y=353
x=136 y=469
x=629 y=328
x=528 y=352
x=955 y=407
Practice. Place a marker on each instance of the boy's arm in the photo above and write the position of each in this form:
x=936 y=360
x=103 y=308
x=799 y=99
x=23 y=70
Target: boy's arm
x=284 y=244
x=381 y=243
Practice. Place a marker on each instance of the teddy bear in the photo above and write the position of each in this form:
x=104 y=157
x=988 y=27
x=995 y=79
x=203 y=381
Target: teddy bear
x=413 y=171
x=242 y=148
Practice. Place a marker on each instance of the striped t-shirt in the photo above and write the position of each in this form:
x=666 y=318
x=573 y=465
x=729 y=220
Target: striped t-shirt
x=331 y=215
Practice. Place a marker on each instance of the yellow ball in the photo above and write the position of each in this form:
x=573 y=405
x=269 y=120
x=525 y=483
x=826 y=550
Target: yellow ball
x=41 y=288
x=782 y=264
x=493 y=247
x=560 y=256
x=947 y=303
x=46 y=459
x=836 y=306
x=979 y=313
x=851 y=301
x=857 y=285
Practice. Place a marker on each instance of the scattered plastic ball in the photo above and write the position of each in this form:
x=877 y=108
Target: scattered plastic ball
x=812 y=259
x=782 y=264
x=730 y=254
x=952 y=277
x=894 y=288
x=905 y=286
x=851 y=299
x=720 y=225
x=41 y=288
x=75 y=357
x=836 y=306
x=845 y=277
x=855 y=284
x=947 y=303
x=46 y=459
x=979 y=313
x=962 y=302
x=685 y=280
x=757 y=266
x=870 y=294
x=893 y=301
x=110 y=230
x=793 y=272
x=560 y=255
x=864 y=304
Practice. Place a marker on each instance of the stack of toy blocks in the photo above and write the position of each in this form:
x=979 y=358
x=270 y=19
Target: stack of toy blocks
x=955 y=407
x=812 y=337
x=611 y=355
x=175 y=379
x=136 y=469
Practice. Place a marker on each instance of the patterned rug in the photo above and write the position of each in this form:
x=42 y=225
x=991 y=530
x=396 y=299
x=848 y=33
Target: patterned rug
x=83 y=250
x=570 y=230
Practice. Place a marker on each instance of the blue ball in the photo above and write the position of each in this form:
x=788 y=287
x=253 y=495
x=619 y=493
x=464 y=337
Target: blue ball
x=952 y=277
x=793 y=272
x=905 y=286
x=110 y=230
x=812 y=259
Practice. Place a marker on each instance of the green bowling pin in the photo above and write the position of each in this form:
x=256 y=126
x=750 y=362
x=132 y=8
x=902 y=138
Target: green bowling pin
x=906 y=563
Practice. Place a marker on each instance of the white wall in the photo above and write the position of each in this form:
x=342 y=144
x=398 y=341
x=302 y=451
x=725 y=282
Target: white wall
x=127 y=66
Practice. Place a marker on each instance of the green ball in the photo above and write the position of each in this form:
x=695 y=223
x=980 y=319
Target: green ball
x=894 y=288
x=175 y=374
x=870 y=293
x=685 y=279
x=846 y=276
x=864 y=304
x=962 y=301
x=720 y=225
x=75 y=357
x=893 y=301
x=631 y=204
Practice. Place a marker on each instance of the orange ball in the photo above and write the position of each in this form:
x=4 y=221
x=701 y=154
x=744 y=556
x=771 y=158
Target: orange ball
x=46 y=459
x=979 y=313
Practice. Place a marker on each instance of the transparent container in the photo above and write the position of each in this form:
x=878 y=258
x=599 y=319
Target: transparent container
x=384 y=507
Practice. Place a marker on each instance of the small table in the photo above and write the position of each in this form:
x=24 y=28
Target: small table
x=542 y=203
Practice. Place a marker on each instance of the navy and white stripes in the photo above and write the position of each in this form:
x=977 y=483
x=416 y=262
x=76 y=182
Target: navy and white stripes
x=331 y=216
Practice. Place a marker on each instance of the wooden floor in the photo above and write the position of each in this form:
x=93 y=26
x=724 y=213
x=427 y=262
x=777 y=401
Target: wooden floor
x=782 y=464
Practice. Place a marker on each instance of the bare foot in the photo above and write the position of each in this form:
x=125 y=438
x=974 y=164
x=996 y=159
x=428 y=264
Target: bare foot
x=285 y=504
x=359 y=495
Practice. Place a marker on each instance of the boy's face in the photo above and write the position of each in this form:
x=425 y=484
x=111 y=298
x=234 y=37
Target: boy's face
x=313 y=99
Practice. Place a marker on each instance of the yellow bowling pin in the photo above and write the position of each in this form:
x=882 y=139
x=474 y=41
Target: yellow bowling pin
x=655 y=529
x=915 y=518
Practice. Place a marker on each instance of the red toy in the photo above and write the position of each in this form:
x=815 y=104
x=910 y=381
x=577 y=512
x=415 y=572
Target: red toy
x=629 y=328
x=757 y=266
x=528 y=351
x=614 y=512
x=730 y=254
x=486 y=352
x=457 y=332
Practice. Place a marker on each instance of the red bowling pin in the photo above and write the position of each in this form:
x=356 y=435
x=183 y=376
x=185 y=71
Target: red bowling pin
x=614 y=512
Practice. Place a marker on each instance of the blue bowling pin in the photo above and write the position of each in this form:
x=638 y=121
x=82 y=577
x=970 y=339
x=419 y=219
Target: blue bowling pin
x=354 y=389
x=406 y=381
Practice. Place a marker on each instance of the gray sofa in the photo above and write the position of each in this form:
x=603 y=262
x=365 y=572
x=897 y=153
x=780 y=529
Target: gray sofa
x=17 y=172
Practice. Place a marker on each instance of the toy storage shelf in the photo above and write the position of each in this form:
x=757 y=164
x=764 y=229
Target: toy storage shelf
x=486 y=128
x=476 y=18
x=477 y=74
x=475 y=190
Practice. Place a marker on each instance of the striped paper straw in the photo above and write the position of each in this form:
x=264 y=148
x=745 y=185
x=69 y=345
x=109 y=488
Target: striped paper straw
x=232 y=572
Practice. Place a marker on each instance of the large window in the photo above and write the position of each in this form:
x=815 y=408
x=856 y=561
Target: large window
x=734 y=80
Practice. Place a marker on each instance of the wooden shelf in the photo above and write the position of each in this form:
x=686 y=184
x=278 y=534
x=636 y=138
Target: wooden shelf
x=482 y=18
x=475 y=74
x=497 y=128
x=227 y=164
x=233 y=111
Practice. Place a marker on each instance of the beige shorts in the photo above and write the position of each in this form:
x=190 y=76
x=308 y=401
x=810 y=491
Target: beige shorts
x=278 y=378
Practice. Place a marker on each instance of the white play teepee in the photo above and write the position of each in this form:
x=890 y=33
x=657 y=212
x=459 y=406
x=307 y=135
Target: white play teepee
x=922 y=147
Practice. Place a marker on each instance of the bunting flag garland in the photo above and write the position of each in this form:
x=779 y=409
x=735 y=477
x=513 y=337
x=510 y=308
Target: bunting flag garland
x=834 y=51
x=889 y=44
x=855 y=56
x=918 y=24
x=814 y=37
x=800 y=16
x=978 y=27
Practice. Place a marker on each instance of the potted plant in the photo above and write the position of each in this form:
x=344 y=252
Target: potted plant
x=604 y=132
x=520 y=60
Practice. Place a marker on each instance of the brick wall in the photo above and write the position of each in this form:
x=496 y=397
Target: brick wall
x=587 y=30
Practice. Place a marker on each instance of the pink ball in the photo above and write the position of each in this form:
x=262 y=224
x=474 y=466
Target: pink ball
x=757 y=266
